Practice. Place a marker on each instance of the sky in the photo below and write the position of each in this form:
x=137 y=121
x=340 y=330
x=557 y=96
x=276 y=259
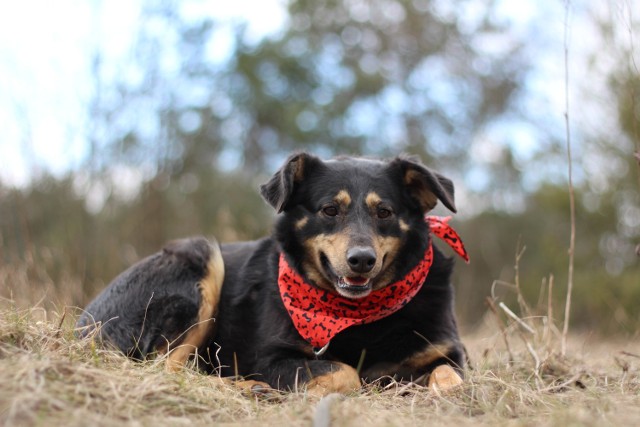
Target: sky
x=46 y=70
x=46 y=51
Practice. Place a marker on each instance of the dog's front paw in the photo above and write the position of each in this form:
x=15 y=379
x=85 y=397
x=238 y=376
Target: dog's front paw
x=444 y=378
x=342 y=379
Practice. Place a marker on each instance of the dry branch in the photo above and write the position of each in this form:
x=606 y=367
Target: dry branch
x=572 y=203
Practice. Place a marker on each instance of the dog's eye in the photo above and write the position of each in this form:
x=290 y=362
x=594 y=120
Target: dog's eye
x=384 y=213
x=330 y=211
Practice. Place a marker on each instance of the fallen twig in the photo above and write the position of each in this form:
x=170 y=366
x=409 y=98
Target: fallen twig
x=571 y=380
x=626 y=353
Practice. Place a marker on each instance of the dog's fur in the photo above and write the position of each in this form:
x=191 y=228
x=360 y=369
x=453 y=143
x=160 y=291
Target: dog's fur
x=347 y=225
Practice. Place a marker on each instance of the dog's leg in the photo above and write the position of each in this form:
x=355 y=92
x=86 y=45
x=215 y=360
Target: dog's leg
x=344 y=379
x=444 y=378
x=210 y=287
x=441 y=362
x=317 y=377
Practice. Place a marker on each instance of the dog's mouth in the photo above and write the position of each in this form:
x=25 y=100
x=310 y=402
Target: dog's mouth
x=353 y=287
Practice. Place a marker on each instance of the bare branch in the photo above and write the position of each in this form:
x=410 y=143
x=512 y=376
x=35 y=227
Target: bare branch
x=515 y=317
x=572 y=241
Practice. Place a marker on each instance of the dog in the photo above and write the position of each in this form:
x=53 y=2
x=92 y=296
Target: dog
x=349 y=287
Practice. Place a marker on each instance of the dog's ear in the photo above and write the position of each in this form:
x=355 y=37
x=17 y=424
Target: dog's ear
x=279 y=189
x=424 y=185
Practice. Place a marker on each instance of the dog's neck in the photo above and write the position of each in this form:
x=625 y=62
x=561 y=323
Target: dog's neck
x=319 y=315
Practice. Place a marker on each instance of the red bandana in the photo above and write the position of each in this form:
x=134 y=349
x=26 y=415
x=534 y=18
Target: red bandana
x=319 y=315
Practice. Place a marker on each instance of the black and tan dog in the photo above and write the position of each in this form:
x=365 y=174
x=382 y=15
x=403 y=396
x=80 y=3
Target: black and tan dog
x=349 y=280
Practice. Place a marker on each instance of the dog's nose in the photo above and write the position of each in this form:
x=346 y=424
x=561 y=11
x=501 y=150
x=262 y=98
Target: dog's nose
x=361 y=259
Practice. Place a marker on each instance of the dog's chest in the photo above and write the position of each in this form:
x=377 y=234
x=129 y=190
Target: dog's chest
x=387 y=340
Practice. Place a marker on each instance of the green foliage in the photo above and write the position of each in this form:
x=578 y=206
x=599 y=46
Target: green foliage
x=63 y=249
x=343 y=77
x=604 y=296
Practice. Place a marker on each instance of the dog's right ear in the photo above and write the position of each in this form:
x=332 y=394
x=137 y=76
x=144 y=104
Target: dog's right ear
x=424 y=185
x=278 y=191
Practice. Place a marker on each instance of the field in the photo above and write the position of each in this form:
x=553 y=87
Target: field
x=51 y=378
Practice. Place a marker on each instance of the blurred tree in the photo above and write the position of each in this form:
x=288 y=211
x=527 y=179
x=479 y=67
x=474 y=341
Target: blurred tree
x=376 y=78
x=343 y=76
x=608 y=205
x=605 y=295
x=181 y=137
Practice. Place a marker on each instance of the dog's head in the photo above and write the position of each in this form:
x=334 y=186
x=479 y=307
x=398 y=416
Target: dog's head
x=353 y=225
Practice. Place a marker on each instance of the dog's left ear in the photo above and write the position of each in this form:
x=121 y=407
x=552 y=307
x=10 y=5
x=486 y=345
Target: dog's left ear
x=424 y=185
x=279 y=189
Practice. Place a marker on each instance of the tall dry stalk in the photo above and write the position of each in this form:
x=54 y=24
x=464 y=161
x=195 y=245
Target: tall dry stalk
x=634 y=92
x=572 y=205
x=550 y=322
x=634 y=96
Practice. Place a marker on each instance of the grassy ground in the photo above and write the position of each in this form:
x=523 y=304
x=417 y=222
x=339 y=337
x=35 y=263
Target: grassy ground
x=48 y=377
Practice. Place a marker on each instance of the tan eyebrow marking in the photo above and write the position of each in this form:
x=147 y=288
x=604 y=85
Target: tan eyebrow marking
x=343 y=198
x=373 y=200
x=404 y=226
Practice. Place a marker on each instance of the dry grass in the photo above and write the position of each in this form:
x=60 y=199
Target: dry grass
x=49 y=378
